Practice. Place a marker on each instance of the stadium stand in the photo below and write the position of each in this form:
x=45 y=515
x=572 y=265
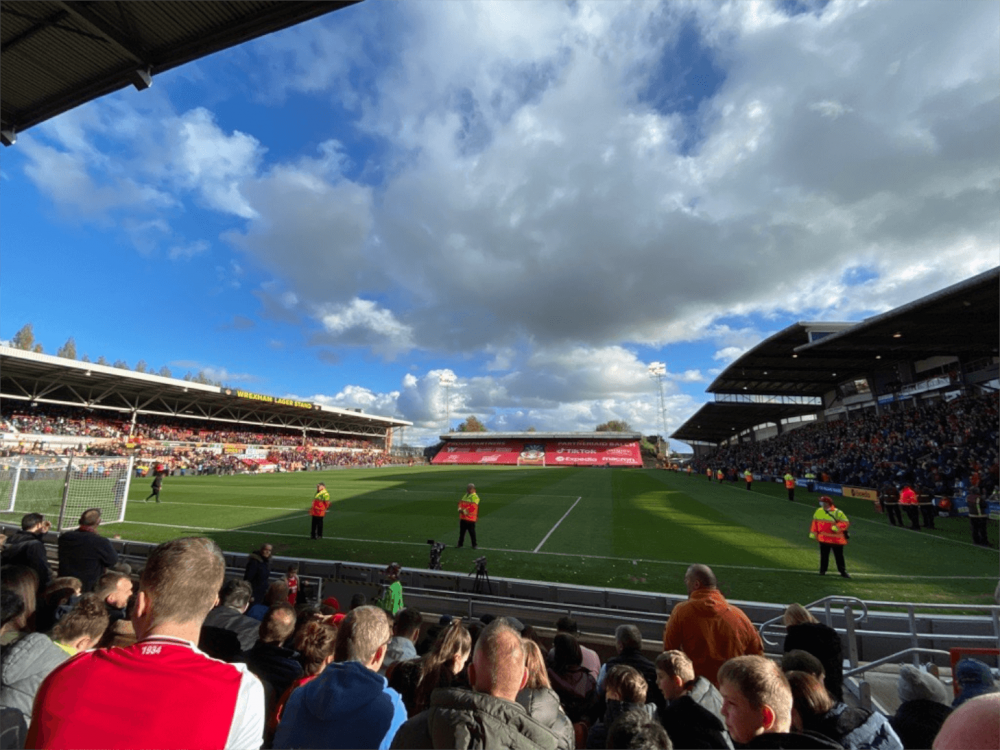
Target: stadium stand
x=541 y=449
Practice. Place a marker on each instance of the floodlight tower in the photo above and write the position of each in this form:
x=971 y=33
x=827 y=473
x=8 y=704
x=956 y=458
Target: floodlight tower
x=447 y=380
x=656 y=371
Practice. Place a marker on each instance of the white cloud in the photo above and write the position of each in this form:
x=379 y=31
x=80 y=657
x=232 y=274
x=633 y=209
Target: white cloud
x=188 y=251
x=363 y=321
x=728 y=354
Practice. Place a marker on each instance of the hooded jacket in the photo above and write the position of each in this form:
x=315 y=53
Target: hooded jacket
x=465 y=720
x=691 y=724
x=711 y=631
x=347 y=706
x=25 y=548
x=25 y=664
x=542 y=705
x=856 y=727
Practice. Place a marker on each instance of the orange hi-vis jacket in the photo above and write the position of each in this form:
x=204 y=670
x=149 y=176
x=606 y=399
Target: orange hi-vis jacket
x=748 y=475
x=321 y=504
x=719 y=475
x=468 y=507
x=907 y=496
x=789 y=482
x=828 y=527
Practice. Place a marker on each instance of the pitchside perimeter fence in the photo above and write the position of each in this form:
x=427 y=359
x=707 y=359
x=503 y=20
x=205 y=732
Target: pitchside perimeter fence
x=64 y=486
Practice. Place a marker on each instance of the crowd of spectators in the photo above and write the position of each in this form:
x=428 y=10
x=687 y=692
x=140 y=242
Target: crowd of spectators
x=182 y=652
x=947 y=446
x=53 y=419
x=183 y=445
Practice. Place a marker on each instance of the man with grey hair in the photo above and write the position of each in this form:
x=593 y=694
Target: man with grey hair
x=184 y=698
x=350 y=704
x=628 y=642
x=488 y=715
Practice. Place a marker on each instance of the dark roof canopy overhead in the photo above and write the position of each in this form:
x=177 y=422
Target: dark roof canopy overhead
x=27 y=376
x=808 y=360
x=717 y=421
x=59 y=55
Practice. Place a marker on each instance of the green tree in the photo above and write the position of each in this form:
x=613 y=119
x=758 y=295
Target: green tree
x=165 y=372
x=472 y=425
x=614 y=425
x=38 y=349
x=531 y=429
x=121 y=364
x=141 y=366
x=67 y=350
x=25 y=338
x=102 y=360
x=85 y=358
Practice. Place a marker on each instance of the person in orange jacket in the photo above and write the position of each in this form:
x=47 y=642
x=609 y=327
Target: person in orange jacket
x=908 y=502
x=321 y=504
x=829 y=528
x=468 y=514
x=790 y=486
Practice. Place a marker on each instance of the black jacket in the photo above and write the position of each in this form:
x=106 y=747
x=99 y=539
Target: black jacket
x=274 y=664
x=692 y=726
x=258 y=573
x=25 y=548
x=823 y=642
x=246 y=628
x=542 y=705
x=918 y=721
x=634 y=658
x=85 y=555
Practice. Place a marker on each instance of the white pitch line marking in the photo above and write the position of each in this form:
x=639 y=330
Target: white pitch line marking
x=557 y=524
x=810 y=572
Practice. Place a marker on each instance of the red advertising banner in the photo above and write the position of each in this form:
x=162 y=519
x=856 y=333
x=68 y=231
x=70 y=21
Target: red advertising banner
x=536 y=452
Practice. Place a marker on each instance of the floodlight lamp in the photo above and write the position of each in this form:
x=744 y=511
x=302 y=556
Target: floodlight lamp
x=142 y=78
x=897 y=335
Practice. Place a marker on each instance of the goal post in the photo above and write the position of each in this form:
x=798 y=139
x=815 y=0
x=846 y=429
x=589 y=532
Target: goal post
x=62 y=487
x=523 y=460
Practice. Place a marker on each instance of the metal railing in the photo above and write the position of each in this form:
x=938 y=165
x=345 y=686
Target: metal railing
x=827 y=602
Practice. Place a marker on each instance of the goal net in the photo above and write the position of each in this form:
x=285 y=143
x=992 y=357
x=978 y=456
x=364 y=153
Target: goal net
x=62 y=487
x=531 y=460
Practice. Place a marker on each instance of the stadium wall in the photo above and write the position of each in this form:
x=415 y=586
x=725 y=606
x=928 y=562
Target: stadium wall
x=555 y=452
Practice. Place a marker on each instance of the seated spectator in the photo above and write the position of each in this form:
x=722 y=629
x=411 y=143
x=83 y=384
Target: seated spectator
x=487 y=716
x=184 y=698
x=30 y=659
x=541 y=701
x=277 y=593
x=634 y=729
x=349 y=705
x=227 y=630
x=693 y=712
x=806 y=633
x=314 y=643
x=628 y=642
x=405 y=634
x=24 y=581
x=923 y=709
x=114 y=589
x=575 y=685
x=757 y=706
x=625 y=690
x=815 y=710
x=57 y=600
x=276 y=666
x=591 y=661
x=416 y=679
x=973 y=726
x=973 y=678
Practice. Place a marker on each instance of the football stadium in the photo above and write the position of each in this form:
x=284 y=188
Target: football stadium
x=874 y=441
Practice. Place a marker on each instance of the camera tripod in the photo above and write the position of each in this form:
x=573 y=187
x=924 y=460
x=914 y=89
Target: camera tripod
x=482 y=577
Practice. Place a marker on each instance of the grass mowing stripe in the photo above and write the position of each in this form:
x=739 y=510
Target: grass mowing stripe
x=684 y=564
x=557 y=524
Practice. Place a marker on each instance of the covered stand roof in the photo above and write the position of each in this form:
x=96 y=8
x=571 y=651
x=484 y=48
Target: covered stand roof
x=718 y=421
x=58 y=55
x=26 y=376
x=807 y=360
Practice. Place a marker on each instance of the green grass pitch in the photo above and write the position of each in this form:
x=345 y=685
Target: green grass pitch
x=620 y=528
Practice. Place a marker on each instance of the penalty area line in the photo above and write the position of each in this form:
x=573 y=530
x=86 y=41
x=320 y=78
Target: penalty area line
x=557 y=524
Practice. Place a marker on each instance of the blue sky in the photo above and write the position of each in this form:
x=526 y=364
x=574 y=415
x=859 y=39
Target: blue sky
x=538 y=198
